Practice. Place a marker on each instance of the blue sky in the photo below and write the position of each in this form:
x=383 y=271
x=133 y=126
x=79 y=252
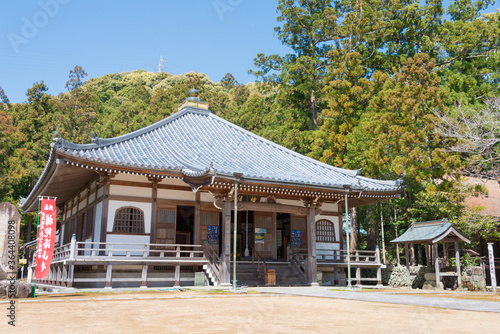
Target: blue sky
x=45 y=39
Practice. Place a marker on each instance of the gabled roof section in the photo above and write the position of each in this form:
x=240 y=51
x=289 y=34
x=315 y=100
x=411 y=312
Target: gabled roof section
x=194 y=141
x=430 y=232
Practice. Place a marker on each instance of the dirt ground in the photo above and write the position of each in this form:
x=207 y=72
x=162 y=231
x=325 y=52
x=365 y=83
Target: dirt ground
x=202 y=312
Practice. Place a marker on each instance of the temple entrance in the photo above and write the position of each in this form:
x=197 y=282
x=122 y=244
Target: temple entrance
x=245 y=234
x=185 y=225
x=282 y=235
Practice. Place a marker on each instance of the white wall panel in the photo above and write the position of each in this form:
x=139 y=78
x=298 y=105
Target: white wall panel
x=115 y=205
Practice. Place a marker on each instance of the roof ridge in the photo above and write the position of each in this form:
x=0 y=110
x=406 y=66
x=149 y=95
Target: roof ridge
x=100 y=142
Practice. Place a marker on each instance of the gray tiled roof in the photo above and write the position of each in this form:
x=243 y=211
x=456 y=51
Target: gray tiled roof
x=194 y=141
x=429 y=231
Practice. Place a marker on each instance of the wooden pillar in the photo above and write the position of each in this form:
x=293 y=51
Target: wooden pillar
x=226 y=243
x=177 y=276
x=71 y=273
x=358 y=275
x=436 y=264
x=311 y=246
x=428 y=256
x=105 y=208
x=58 y=275
x=358 y=270
x=457 y=260
x=412 y=254
x=109 y=276
x=65 y=276
x=154 y=211
x=379 y=269
x=144 y=276
x=336 y=275
x=408 y=281
x=197 y=220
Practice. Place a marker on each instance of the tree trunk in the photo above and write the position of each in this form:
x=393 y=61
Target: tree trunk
x=354 y=229
x=373 y=231
x=313 y=107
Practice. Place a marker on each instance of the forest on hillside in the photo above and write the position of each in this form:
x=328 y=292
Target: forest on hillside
x=399 y=89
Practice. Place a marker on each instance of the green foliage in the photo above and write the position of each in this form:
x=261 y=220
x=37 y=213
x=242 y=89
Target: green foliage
x=465 y=261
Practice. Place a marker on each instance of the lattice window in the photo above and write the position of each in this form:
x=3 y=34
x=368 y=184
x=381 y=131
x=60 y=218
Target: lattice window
x=325 y=231
x=129 y=220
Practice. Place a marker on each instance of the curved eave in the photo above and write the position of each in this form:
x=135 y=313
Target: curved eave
x=57 y=180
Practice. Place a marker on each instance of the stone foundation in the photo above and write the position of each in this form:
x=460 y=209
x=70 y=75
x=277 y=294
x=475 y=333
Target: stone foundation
x=473 y=279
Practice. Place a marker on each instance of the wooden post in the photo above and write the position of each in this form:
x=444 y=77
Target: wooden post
x=58 y=276
x=72 y=250
x=154 y=211
x=197 y=220
x=358 y=270
x=311 y=249
x=336 y=275
x=105 y=209
x=65 y=276
x=428 y=257
x=144 y=276
x=408 y=281
x=358 y=275
x=71 y=273
x=436 y=265
x=177 y=276
x=412 y=254
x=226 y=244
x=379 y=268
x=457 y=260
x=109 y=276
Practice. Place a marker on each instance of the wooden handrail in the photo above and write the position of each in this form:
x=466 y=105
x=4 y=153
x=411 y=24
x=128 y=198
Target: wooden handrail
x=298 y=257
x=213 y=262
x=259 y=260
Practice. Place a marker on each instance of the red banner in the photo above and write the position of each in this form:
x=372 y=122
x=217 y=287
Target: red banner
x=46 y=237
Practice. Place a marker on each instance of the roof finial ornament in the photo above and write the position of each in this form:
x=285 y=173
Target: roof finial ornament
x=193 y=101
x=193 y=92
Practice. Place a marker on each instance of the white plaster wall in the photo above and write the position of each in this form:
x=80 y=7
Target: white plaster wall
x=177 y=195
x=145 y=207
x=99 y=192
x=97 y=225
x=92 y=198
x=130 y=240
x=290 y=202
x=82 y=205
x=131 y=191
x=332 y=207
x=131 y=178
x=206 y=197
x=73 y=210
x=175 y=182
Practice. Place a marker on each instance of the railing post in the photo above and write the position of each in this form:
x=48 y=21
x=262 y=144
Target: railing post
x=379 y=268
x=73 y=247
x=109 y=276
x=145 y=252
x=144 y=276
x=110 y=250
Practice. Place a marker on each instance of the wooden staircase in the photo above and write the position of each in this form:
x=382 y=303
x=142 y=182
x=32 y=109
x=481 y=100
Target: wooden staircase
x=286 y=274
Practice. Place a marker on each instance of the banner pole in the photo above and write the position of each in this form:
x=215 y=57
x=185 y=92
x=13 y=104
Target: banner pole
x=37 y=228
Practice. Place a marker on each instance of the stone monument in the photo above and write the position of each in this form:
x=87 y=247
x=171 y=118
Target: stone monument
x=9 y=240
x=9 y=251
